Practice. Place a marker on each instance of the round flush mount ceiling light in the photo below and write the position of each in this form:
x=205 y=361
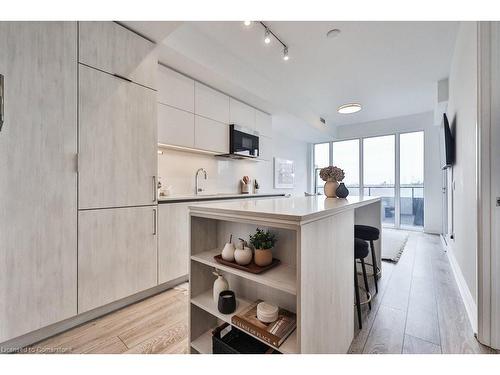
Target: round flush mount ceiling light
x=349 y=108
x=247 y=23
x=333 y=33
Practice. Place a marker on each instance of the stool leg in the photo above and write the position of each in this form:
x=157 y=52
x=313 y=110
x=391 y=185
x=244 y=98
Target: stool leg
x=356 y=292
x=366 y=282
x=375 y=267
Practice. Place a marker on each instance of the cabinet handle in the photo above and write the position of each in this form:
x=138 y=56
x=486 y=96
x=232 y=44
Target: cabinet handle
x=155 y=224
x=154 y=188
x=1 y=100
x=122 y=77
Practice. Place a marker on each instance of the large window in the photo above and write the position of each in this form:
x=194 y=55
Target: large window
x=411 y=179
x=379 y=163
x=392 y=167
x=345 y=154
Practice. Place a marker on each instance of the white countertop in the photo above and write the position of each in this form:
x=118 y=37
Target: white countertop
x=293 y=208
x=208 y=197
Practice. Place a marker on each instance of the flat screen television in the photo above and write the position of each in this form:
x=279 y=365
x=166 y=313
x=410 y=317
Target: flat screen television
x=448 y=144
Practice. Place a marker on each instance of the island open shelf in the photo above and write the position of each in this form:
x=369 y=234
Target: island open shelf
x=315 y=277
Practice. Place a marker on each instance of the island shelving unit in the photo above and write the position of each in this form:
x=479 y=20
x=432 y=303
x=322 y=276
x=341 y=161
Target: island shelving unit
x=314 y=279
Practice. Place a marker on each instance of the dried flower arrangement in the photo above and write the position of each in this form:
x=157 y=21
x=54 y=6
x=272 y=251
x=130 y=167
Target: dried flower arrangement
x=331 y=173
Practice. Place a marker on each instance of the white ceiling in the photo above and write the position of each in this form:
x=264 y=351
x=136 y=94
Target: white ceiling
x=391 y=68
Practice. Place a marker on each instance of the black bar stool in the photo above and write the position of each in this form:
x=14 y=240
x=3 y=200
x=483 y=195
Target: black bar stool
x=361 y=252
x=367 y=233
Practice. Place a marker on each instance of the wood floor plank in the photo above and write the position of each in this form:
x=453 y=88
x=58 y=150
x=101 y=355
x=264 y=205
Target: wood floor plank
x=111 y=345
x=414 y=345
x=163 y=341
x=387 y=333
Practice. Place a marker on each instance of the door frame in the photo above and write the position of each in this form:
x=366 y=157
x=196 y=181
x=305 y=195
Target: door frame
x=488 y=182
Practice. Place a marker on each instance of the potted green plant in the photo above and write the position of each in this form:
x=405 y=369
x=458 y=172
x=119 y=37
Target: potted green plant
x=263 y=243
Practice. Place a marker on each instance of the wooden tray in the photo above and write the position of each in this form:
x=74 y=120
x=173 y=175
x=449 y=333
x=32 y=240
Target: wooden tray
x=252 y=267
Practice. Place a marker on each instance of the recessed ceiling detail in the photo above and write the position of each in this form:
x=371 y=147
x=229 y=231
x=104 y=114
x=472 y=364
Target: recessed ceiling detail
x=333 y=33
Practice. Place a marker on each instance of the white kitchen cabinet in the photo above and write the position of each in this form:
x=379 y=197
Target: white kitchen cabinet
x=175 y=127
x=265 y=148
x=211 y=135
x=117 y=142
x=38 y=176
x=241 y=114
x=175 y=89
x=211 y=103
x=110 y=47
x=173 y=241
x=263 y=123
x=117 y=254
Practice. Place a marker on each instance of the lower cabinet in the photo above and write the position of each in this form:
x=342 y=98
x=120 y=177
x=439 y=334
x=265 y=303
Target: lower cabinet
x=173 y=241
x=117 y=254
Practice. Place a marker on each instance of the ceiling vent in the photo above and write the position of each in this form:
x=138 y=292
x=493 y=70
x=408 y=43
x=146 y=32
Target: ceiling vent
x=322 y=120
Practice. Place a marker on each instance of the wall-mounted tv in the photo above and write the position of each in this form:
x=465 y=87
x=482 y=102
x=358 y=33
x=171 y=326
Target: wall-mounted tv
x=448 y=144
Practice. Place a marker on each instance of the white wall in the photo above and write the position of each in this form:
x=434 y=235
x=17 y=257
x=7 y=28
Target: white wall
x=462 y=114
x=432 y=163
x=178 y=168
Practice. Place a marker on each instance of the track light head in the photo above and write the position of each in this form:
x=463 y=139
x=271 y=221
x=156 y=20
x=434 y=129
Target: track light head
x=285 y=54
x=267 y=37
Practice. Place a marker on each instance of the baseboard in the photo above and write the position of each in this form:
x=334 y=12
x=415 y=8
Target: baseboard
x=41 y=334
x=470 y=305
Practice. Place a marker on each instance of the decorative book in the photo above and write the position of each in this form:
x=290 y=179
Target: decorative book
x=272 y=333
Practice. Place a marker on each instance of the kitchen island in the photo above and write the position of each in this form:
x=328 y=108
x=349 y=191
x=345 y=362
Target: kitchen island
x=314 y=280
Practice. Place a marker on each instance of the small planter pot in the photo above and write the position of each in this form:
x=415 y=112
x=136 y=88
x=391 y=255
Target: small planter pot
x=263 y=257
x=331 y=188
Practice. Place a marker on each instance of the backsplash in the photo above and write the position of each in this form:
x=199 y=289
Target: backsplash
x=177 y=169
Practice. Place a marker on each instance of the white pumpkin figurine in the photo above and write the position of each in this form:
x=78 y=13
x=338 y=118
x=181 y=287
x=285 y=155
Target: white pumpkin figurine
x=243 y=254
x=220 y=285
x=228 y=251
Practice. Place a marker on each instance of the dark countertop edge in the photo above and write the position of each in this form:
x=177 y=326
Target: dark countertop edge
x=194 y=199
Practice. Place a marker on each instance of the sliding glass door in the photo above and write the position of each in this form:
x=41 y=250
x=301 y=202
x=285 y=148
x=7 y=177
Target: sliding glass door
x=379 y=163
x=389 y=166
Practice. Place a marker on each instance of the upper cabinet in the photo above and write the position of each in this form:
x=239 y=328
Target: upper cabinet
x=211 y=103
x=175 y=89
x=114 y=49
x=117 y=141
x=263 y=123
x=241 y=114
x=211 y=135
x=175 y=126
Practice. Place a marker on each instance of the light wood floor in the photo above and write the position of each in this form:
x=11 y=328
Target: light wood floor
x=418 y=310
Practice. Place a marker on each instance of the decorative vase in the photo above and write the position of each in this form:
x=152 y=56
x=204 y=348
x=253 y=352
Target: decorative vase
x=243 y=256
x=263 y=257
x=330 y=188
x=342 y=191
x=227 y=302
x=220 y=285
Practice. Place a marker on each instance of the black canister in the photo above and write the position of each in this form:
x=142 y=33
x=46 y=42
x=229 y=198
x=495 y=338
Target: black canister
x=227 y=302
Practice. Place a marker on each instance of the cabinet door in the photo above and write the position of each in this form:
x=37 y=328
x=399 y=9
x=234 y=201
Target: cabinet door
x=114 y=49
x=117 y=142
x=37 y=176
x=116 y=254
x=241 y=114
x=211 y=103
x=265 y=148
x=211 y=135
x=175 y=127
x=173 y=241
x=263 y=123
x=175 y=89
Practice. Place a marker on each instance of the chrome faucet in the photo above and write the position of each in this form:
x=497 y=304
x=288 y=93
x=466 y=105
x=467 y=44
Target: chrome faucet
x=198 y=189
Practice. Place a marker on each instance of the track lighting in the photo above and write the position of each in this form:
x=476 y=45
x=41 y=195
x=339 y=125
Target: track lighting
x=267 y=37
x=285 y=54
x=268 y=34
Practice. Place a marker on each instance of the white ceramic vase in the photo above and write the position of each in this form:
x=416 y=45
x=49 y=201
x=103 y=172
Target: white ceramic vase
x=331 y=188
x=220 y=285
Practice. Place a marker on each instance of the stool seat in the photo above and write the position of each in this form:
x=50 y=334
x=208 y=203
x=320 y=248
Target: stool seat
x=366 y=232
x=360 y=249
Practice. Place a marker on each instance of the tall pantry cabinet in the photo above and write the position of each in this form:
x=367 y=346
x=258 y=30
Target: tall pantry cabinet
x=117 y=219
x=38 y=176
